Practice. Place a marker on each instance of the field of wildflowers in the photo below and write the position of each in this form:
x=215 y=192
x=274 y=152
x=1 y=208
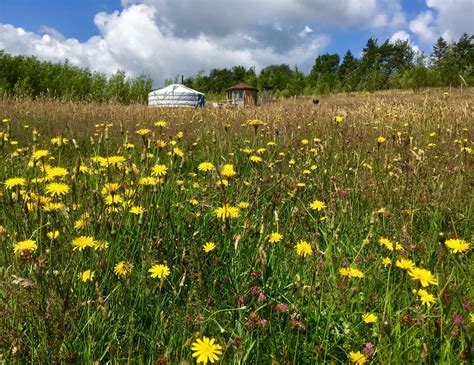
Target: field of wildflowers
x=284 y=234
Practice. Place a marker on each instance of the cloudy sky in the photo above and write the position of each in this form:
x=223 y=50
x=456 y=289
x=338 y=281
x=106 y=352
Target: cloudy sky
x=163 y=38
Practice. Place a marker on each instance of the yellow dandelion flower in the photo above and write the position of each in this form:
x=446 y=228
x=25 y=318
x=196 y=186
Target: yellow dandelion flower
x=425 y=277
x=205 y=166
x=129 y=146
x=351 y=272
x=206 y=350
x=52 y=206
x=425 y=297
x=58 y=189
x=209 y=246
x=137 y=210
x=405 y=264
x=161 y=144
x=244 y=205
x=53 y=172
x=87 y=275
x=228 y=170
x=81 y=223
x=52 y=235
x=389 y=244
x=457 y=245
x=148 y=181
x=25 y=246
x=123 y=269
x=227 y=211
x=255 y=158
x=40 y=154
x=58 y=141
x=369 y=318
x=82 y=242
x=116 y=161
x=222 y=182
x=159 y=271
x=177 y=152
x=386 y=261
x=357 y=358
x=143 y=131
x=159 y=170
x=110 y=188
x=100 y=245
x=338 y=119
x=275 y=237
x=14 y=181
x=161 y=124
x=380 y=140
x=317 y=205
x=303 y=248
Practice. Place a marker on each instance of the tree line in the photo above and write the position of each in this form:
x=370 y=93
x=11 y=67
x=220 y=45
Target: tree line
x=381 y=66
x=26 y=76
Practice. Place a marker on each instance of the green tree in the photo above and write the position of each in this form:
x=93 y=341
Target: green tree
x=118 y=87
x=296 y=83
x=323 y=75
x=251 y=77
x=275 y=76
x=347 y=67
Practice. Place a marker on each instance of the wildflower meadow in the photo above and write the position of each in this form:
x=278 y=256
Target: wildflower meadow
x=290 y=233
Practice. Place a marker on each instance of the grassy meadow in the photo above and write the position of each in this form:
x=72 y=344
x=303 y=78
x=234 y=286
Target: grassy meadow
x=290 y=233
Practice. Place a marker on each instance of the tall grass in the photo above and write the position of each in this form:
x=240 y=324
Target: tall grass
x=261 y=301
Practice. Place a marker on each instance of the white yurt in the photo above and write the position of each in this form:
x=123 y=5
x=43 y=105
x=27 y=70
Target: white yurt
x=176 y=95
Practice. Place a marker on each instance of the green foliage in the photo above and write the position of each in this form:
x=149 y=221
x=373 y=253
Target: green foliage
x=28 y=77
x=384 y=66
x=389 y=65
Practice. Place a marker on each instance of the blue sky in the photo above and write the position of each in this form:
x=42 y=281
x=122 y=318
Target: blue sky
x=164 y=38
x=74 y=18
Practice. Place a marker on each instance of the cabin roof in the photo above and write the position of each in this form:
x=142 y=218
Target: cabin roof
x=240 y=86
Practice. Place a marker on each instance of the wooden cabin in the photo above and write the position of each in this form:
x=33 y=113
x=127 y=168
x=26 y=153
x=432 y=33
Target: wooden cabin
x=242 y=95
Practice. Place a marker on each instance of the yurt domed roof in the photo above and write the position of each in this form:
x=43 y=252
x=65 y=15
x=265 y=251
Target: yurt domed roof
x=176 y=95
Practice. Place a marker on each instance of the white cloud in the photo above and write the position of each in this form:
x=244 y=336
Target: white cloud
x=454 y=17
x=423 y=27
x=401 y=35
x=163 y=38
x=51 y=32
x=186 y=17
x=305 y=32
x=446 y=18
x=133 y=40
